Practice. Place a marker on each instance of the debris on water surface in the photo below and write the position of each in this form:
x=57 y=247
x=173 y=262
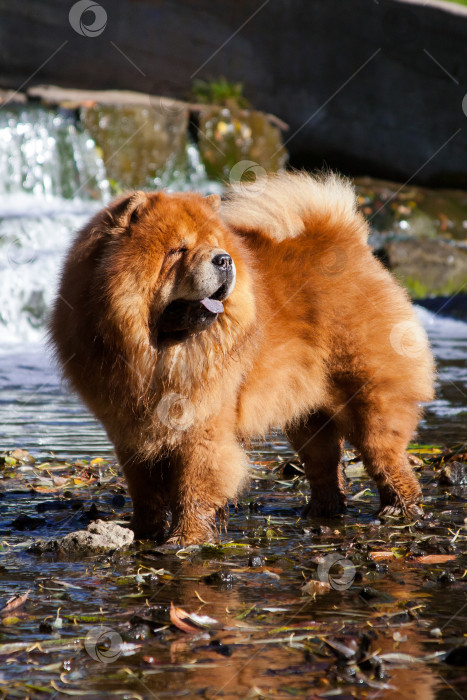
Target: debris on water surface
x=15 y=602
x=299 y=607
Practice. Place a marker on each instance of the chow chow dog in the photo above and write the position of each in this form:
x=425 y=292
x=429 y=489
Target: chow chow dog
x=189 y=324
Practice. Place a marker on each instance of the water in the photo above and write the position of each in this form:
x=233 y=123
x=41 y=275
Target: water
x=46 y=154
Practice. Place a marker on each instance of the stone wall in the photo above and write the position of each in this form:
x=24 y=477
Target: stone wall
x=368 y=86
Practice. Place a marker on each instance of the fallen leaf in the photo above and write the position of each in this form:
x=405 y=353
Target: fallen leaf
x=380 y=556
x=96 y=461
x=202 y=620
x=178 y=617
x=435 y=558
x=190 y=622
x=10 y=620
x=15 y=602
x=399 y=658
x=313 y=587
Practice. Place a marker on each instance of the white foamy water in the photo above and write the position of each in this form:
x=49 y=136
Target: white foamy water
x=31 y=250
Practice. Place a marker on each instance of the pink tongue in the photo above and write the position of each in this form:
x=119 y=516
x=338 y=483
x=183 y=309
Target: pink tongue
x=213 y=305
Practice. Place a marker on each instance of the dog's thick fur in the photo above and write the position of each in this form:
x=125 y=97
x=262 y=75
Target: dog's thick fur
x=316 y=337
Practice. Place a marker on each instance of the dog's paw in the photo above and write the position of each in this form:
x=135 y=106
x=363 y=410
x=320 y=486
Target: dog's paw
x=399 y=510
x=147 y=531
x=186 y=539
x=328 y=507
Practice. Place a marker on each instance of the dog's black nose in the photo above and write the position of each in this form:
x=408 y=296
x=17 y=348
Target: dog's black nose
x=223 y=261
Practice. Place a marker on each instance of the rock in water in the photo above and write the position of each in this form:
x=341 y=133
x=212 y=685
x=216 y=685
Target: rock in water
x=453 y=474
x=99 y=537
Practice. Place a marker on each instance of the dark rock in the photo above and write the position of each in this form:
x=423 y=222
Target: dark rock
x=219 y=647
x=446 y=578
x=93 y=513
x=26 y=522
x=255 y=560
x=379 y=567
x=118 y=501
x=255 y=506
x=59 y=504
x=374 y=596
x=453 y=474
x=223 y=579
x=457 y=656
x=46 y=628
x=415 y=550
x=323 y=531
x=340 y=74
x=138 y=632
x=399 y=618
x=156 y=616
x=99 y=537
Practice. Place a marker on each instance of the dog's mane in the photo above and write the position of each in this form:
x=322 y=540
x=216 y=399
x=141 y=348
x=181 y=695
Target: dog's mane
x=283 y=205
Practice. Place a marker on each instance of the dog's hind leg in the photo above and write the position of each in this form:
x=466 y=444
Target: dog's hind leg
x=381 y=430
x=319 y=445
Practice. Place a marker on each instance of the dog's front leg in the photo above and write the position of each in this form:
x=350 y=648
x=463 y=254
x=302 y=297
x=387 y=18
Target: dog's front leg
x=209 y=470
x=149 y=490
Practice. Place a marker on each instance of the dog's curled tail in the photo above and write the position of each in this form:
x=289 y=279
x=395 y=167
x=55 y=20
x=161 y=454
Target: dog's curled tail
x=284 y=205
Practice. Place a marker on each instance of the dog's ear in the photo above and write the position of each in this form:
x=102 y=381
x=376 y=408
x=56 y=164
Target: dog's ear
x=125 y=211
x=214 y=201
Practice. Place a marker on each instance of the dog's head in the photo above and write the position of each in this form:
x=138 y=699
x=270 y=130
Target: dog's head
x=167 y=268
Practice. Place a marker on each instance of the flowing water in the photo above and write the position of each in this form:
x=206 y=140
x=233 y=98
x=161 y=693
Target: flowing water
x=51 y=181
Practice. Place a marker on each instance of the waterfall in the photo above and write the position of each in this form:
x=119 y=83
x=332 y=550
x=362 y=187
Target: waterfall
x=44 y=153
x=52 y=179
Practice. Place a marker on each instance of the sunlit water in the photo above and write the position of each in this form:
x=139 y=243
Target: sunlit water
x=39 y=413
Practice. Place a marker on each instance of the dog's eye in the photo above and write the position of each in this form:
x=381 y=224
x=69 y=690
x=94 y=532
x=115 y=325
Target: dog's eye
x=177 y=251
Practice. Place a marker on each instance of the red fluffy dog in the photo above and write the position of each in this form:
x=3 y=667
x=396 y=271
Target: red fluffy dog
x=186 y=325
